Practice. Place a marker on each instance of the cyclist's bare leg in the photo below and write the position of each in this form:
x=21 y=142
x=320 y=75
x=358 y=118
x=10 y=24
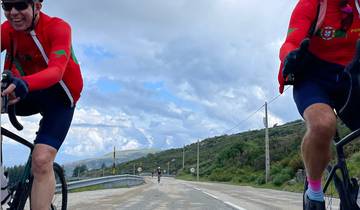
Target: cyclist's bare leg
x=320 y=129
x=44 y=180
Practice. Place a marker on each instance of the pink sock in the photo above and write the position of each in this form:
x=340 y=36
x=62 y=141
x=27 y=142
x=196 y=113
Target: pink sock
x=314 y=185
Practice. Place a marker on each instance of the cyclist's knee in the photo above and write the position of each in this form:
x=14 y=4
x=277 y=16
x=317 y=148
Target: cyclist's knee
x=320 y=121
x=41 y=164
x=42 y=160
x=322 y=128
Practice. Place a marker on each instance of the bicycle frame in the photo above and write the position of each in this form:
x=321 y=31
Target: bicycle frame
x=24 y=185
x=343 y=184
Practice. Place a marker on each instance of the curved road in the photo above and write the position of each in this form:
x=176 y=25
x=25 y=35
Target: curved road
x=176 y=194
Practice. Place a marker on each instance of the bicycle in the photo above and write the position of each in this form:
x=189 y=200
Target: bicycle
x=158 y=171
x=347 y=188
x=20 y=192
x=159 y=175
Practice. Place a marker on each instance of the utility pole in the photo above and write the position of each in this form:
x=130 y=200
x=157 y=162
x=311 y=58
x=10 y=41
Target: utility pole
x=197 y=165
x=168 y=163
x=113 y=169
x=183 y=158
x=267 y=152
x=134 y=168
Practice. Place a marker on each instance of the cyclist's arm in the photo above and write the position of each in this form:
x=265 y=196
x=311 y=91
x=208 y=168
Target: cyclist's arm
x=301 y=20
x=6 y=45
x=59 y=35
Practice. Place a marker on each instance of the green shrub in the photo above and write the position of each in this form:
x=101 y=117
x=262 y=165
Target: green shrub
x=275 y=169
x=296 y=162
x=281 y=178
x=252 y=177
x=260 y=180
x=220 y=175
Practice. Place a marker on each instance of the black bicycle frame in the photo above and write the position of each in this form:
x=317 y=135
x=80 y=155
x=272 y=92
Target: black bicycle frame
x=16 y=138
x=341 y=165
x=24 y=185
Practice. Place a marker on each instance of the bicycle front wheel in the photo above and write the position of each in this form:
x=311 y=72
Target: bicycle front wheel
x=59 y=201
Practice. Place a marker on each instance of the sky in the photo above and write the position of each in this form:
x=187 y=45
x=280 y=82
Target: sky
x=165 y=73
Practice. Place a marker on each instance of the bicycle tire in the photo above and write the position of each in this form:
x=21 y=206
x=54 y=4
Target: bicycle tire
x=59 y=201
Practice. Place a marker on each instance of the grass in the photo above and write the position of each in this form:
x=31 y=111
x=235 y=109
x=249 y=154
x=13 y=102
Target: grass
x=93 y=188
x=89 y=188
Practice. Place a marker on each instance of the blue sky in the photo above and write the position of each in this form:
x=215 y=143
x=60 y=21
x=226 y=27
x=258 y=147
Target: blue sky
x=161 y=74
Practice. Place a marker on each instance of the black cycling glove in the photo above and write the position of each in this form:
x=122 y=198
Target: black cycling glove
x=21 y=89
x=294 y=62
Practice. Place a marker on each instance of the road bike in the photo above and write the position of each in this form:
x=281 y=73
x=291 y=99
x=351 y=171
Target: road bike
x=338 y=175
x=159 y=175
x=20 y=192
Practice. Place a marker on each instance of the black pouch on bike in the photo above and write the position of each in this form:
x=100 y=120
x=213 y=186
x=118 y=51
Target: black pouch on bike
x=350 y=110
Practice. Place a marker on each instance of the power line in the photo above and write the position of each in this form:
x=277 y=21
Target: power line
x=276 y=97
x=253 y=113
x=241 y=122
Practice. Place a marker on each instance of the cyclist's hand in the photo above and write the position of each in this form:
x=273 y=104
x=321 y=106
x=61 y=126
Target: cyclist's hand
x=294 y=61
x=16 y=91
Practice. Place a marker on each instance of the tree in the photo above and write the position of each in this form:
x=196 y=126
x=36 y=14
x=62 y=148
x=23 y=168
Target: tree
x=103 y=166
x=78 y=170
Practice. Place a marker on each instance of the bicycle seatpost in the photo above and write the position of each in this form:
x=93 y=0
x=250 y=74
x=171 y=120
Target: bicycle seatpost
x=5 y=108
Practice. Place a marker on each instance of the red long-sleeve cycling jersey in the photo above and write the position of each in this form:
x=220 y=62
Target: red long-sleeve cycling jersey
x=60 y=66
x=328 y=43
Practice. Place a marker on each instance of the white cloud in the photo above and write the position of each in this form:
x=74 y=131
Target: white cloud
x=169 y=140
x=132 y=144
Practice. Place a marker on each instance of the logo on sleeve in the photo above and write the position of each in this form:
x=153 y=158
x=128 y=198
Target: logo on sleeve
x=291 y=30
x=60 y=53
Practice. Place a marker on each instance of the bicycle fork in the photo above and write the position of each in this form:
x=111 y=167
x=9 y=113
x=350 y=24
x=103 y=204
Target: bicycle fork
x=23 y=188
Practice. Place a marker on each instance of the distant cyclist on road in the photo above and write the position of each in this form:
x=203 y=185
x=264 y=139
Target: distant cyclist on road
x=158 y=173
x=47 y=81
x=316 y=71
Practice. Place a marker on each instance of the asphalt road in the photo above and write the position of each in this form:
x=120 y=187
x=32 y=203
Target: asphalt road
x=175 y=194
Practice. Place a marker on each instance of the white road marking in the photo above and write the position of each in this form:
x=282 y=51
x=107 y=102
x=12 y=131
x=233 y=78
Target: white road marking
x=211 y=195
x=217 y=198
x=234 y=206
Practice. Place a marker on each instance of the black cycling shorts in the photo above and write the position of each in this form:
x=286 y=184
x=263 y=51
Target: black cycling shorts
x=323 y=82
x=54 y=107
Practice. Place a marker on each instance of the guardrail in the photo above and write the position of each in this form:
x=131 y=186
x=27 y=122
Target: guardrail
x=118 y=180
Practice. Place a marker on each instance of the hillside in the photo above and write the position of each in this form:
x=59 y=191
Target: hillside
x=240 y=158
x=107 y=159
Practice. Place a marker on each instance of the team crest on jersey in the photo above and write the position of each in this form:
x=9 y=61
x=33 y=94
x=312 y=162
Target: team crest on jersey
x=328 y=33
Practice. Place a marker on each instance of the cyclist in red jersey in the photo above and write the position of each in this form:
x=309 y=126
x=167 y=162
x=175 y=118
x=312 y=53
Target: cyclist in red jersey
x=316 y=71
x=47 y=81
